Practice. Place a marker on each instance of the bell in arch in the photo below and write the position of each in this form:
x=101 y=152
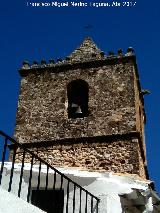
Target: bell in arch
x=78 y=110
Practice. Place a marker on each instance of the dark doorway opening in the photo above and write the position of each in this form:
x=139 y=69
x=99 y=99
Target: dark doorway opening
x=51 y=201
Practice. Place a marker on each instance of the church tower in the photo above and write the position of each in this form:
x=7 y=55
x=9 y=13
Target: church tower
x=84 y=112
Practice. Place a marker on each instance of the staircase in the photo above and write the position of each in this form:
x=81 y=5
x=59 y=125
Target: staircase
x=41 y=184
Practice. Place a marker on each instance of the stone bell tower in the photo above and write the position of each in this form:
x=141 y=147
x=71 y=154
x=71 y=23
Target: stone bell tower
x=85 y=111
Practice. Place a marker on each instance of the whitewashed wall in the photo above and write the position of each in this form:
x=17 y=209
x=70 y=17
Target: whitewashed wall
x=106 y=186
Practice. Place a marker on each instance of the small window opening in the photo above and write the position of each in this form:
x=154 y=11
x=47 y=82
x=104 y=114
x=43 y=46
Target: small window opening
x=77 y=99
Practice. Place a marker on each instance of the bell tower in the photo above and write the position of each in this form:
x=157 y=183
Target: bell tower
x=85 y=111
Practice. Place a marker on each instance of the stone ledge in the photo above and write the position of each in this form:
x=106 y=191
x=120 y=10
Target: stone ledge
x=65 y=65
x=98 y=139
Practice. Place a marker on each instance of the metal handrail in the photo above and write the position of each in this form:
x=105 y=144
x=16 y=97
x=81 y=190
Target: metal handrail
x=93 y=205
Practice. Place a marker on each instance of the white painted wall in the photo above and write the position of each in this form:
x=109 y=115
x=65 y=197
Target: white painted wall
x=9 y=203
x=106 y=186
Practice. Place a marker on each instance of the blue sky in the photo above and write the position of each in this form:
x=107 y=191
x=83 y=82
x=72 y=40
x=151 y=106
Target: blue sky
x=31 y=33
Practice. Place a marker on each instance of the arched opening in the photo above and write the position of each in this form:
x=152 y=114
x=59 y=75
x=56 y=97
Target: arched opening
x=77 y=99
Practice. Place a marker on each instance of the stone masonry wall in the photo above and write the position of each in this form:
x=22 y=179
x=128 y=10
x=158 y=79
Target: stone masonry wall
x=116 y=156
x=42 y=109
x=115 y=111
x=140 y=115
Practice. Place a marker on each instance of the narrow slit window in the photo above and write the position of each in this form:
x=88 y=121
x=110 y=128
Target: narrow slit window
x=77 y=99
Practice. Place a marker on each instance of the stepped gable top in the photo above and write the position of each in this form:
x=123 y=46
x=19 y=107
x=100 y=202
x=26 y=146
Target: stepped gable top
x=87 y=50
